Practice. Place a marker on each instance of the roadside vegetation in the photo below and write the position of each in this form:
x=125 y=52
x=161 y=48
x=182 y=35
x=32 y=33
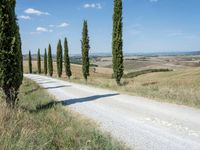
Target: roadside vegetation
x=34 y=126
x=180 y=86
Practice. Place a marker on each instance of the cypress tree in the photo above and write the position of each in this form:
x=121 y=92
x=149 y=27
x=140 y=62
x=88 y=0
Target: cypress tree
x=66 y=59
x=59 y=59
x=85 y=51
x=20 y=51
x=45 y=61
x=39 y=62
x=117 y=42
x=11 y=70
x=50 y=61
x=30 y=62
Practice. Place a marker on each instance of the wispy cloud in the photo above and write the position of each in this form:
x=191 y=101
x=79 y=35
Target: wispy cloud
x=152 y=1
x=63 y=25
x=93 y=5
x=35 y=12
x=24 y=17
x=41 y=30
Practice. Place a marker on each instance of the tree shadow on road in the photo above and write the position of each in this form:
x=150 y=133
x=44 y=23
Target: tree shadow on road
x=72 y=101
x=46 y=82
x=56 y=87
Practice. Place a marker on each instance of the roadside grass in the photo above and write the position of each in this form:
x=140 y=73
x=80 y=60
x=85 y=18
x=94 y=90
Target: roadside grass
x=180 y=86
x=30 y=127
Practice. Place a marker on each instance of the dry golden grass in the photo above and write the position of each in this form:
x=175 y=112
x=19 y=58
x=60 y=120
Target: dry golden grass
x=180 y=86
x=29 y=127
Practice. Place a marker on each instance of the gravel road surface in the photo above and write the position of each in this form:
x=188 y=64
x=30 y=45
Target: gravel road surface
x=141 y=123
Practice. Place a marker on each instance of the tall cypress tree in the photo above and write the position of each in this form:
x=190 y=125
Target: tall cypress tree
x=11 y=70
x=30 y=62
x=39 y=62
x=85 y=51
x=45 y=61
x=50 y=61
x=117 y=42
x=20 y=51
x=59 y=59
x=66 y=59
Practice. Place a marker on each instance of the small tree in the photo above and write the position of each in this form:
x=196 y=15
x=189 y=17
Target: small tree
x=39 y=62
x=45 y=61
x=50 y=61
x=11 y=67
x=66 y=59
x=30 y=62
x=117 y=42
x=59 y=59
x=85 y=51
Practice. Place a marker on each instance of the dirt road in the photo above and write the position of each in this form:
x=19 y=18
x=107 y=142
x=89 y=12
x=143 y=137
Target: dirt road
x=141 y=123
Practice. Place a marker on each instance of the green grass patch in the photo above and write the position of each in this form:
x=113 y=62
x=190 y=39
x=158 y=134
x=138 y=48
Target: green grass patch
x=53 y=128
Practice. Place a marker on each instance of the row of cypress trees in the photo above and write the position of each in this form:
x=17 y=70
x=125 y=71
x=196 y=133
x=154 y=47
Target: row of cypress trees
x=59 y=57
x=117 y=50
x=48 y=60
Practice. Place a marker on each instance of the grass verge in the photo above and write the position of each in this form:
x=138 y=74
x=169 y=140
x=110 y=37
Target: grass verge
x=28 y=127
x=180 y=86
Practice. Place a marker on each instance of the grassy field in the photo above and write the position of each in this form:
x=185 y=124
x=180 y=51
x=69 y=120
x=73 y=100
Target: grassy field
x=137 y=63
x=33 y=127
x=181 y=86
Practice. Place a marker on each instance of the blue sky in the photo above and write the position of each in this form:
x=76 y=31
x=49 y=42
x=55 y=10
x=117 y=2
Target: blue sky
x=149 y=25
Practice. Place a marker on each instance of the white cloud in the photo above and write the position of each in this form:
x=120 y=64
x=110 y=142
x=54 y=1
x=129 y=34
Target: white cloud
x=153 y=1
x=63 y=25
x=24 y=17
x=35 y=12
x=93 y=5
x=42 y=29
